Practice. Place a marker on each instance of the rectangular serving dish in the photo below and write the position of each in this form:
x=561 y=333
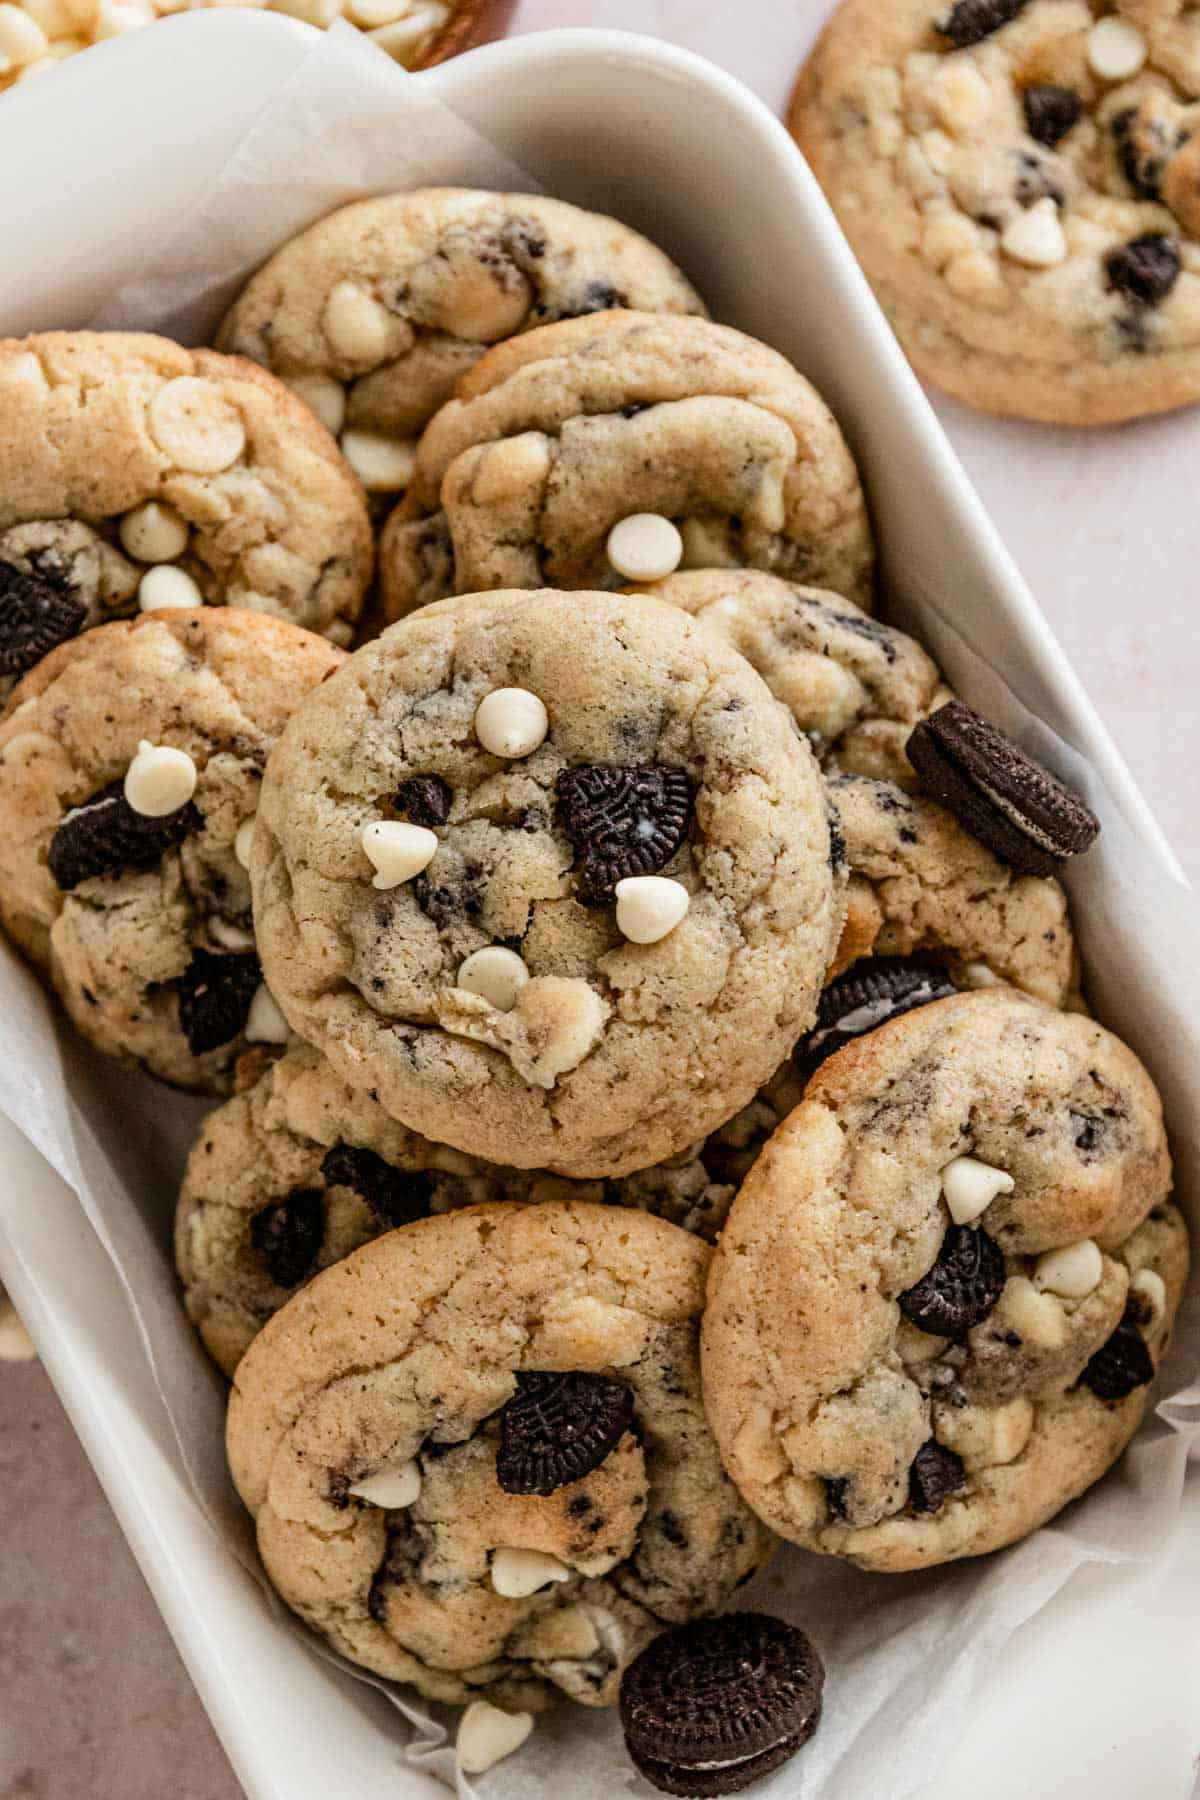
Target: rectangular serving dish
x=589 y=114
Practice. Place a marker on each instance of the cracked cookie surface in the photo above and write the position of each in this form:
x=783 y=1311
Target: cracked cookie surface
x=558 y=435
x=901 y=1370
x=143 y=932
x=123 y=453
x=1021 y=183
x=613 y=1054
x=406 y=1356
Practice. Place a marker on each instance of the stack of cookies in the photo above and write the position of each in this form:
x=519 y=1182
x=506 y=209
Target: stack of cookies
x=661 y=1112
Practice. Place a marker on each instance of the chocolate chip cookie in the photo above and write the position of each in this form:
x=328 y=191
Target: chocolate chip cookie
x=131 y=760
x=374 y=313
x=943 y=1289
x=561 y=438
x=551 y=875
x=1021 y=182
x=135 y=474
x=477 y=1456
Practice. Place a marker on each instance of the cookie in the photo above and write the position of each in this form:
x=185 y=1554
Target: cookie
x=868 y=994
x=298 y=1169
x=131 y=760
x=920 y=883
x=135 y=474
x=374 y=313
x=1002 y=796
x=494 y=982
x=855 y=686
x=944 y=1286
x=711 y=442
x=371 y=1427
x=715 y=1705
x=1021 y=184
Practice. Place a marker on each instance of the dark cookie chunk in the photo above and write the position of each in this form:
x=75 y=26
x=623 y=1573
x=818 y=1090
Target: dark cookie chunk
x=936 y=1473
x=874 y=990
x=1143 y=148
x=970 y=21
x=961 y=1288
x=622 y=821
x=558 y=1428
x=1050 y=112
x=1034 y=181
x=1145 y=269
x=214 y=998
x=425 y=799
x=712 y=1706
x=394 y=1196
x=35 y=616
x=105 y=836
x=998 y=793
x=1122 y=1363
x=286 y=1236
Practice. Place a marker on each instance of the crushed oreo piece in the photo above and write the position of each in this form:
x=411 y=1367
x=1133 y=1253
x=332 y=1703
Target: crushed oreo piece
x=105 y=836
x=712 y=1706
x=36 y=616
x=1013 y=805
x=961 y=1288
x=872 y=991
x=214 y=998
x=395 y=1196
x=936 y=1473
x=425 y=799
x=1145 y=269
x=558 y=1427
x=1050 y=112
x=1123 y=1362
x=287 y=1235
x=622 y=821
x=1143 y=150
x=970 y=21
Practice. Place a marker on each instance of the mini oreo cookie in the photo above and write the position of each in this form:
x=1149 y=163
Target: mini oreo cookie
x=998 y=793
x=35 y=617
x=713 y=1706
x=105 y=836
x=872 y=991
x=558 y=1427
x=395 y=1196
x=214 y=997
x=962 y=1287
x=622 y=821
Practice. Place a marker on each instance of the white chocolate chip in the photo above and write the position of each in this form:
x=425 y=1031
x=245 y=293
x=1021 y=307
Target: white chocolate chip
x=496 y=973
x=649 y=907
x=706 y=545
x=265 y=1024
x=16 y=1345
x=230 y=937
x=979 y=975
x=394 y=1488
x=984 y=1436
x=644 y=547
x=115 y=17
x=1035 y=237
x=21 y=40
x=383 y=464
x=243 y=841
x=1115 y=48
x=159 y=780
x=165 y=586
x=397 y=850
x=1071 y=1272
x=487 y=1734
x=969 y=1187
x=404 y=38
x=368 y=15
x=511 y=722
x=193 y=423
x=357 y=327
x=518 y=1573
x=1149 y=1286
x=154 y=533
x=323 y=396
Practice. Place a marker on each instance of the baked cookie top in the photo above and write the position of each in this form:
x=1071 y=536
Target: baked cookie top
x=135 y=473
x=373 y=313
x=938 y=1302
x=1021 y=182
x=603 y=901
x=560 y=435
x=477 y=1456
x=131 y=760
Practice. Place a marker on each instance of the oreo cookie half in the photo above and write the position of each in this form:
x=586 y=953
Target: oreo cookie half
x=558 y=1427
x=713 y=1706
x=872 y=991
x=998 y=793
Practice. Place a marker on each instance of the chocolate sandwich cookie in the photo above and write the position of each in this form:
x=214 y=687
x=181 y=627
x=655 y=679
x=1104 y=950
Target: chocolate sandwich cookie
x=872 y=991
x=713 y=1706
x=1022 y=812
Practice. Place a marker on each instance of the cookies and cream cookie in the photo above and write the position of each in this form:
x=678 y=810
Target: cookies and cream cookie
x=618 y=448
x=551 y=875
x=943 y=1289
x=477 y=1456
x=131 y=761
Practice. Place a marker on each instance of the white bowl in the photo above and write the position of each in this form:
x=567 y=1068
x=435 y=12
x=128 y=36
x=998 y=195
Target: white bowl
x=670 y=144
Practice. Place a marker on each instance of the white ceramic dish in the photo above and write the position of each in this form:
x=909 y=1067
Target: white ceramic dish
x=589 y=114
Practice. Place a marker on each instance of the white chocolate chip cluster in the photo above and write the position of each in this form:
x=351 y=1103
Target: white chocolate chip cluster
x=35 y=35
